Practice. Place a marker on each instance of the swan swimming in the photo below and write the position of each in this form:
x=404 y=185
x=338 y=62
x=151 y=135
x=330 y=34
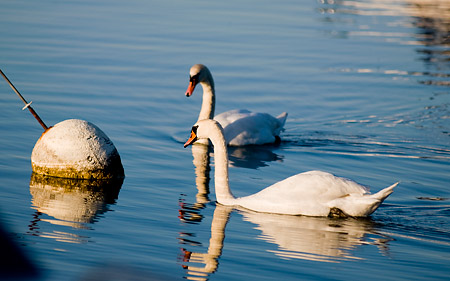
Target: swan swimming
x=241 y=127
x=313 y=193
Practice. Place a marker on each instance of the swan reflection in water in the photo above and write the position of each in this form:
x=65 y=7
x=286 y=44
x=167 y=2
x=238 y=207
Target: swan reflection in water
x=316 y=238
x=69 y=202
x=201 y=160
x=209 y=261
x=319 y=239
x=252 y=156
x=190 y=213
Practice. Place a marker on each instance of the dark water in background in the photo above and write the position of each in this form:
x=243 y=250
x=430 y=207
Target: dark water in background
x=366 y=86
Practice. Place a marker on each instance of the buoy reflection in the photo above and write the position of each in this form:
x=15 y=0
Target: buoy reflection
x=70 y=202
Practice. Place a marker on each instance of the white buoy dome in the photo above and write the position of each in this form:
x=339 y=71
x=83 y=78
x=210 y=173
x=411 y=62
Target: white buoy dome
x=76 y=149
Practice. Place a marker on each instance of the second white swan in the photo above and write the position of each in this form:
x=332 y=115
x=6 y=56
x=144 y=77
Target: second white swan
x=313 y=193
x=241 y=127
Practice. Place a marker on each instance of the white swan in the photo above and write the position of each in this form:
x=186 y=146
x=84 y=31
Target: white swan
x=241 y=127
x=313 y=193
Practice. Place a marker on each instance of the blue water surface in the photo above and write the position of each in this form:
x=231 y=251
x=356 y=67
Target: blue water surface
x=366 y=86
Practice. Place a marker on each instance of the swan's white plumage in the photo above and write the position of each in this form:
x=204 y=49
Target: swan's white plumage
x=241 y=127
x=312 y=193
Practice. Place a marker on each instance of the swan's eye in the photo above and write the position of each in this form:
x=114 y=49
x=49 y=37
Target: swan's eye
x=194 y=129
x=193 y=137
x=194 y=79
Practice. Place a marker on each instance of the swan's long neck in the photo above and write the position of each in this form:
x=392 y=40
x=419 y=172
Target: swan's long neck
x=223 y=192
x=209 y=100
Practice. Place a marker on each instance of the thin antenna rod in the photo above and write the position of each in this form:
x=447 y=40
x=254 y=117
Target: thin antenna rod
x=27 y=105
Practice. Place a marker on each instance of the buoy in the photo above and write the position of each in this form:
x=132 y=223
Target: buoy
x=73 y=149
x=76 y=149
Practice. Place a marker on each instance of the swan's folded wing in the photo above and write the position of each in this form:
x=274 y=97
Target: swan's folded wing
x=228 y=117
x=302 y=194
x=242 y=127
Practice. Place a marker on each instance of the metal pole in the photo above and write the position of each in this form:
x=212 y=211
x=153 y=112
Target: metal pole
x=27 y=105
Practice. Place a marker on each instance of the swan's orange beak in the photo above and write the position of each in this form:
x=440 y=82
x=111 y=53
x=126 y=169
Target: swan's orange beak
x=190 y=88
x=192 y=138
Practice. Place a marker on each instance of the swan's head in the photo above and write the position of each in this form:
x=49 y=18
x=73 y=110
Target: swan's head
x=198 y=74
x=193 y=137
x=205 y=129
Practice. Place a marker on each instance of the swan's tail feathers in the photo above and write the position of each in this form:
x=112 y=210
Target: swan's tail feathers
x=362 y=206
x=384 y=193
x=375 y=200
x=282 y=118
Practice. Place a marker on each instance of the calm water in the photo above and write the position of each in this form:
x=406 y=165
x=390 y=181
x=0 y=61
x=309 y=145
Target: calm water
x=366 y=86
